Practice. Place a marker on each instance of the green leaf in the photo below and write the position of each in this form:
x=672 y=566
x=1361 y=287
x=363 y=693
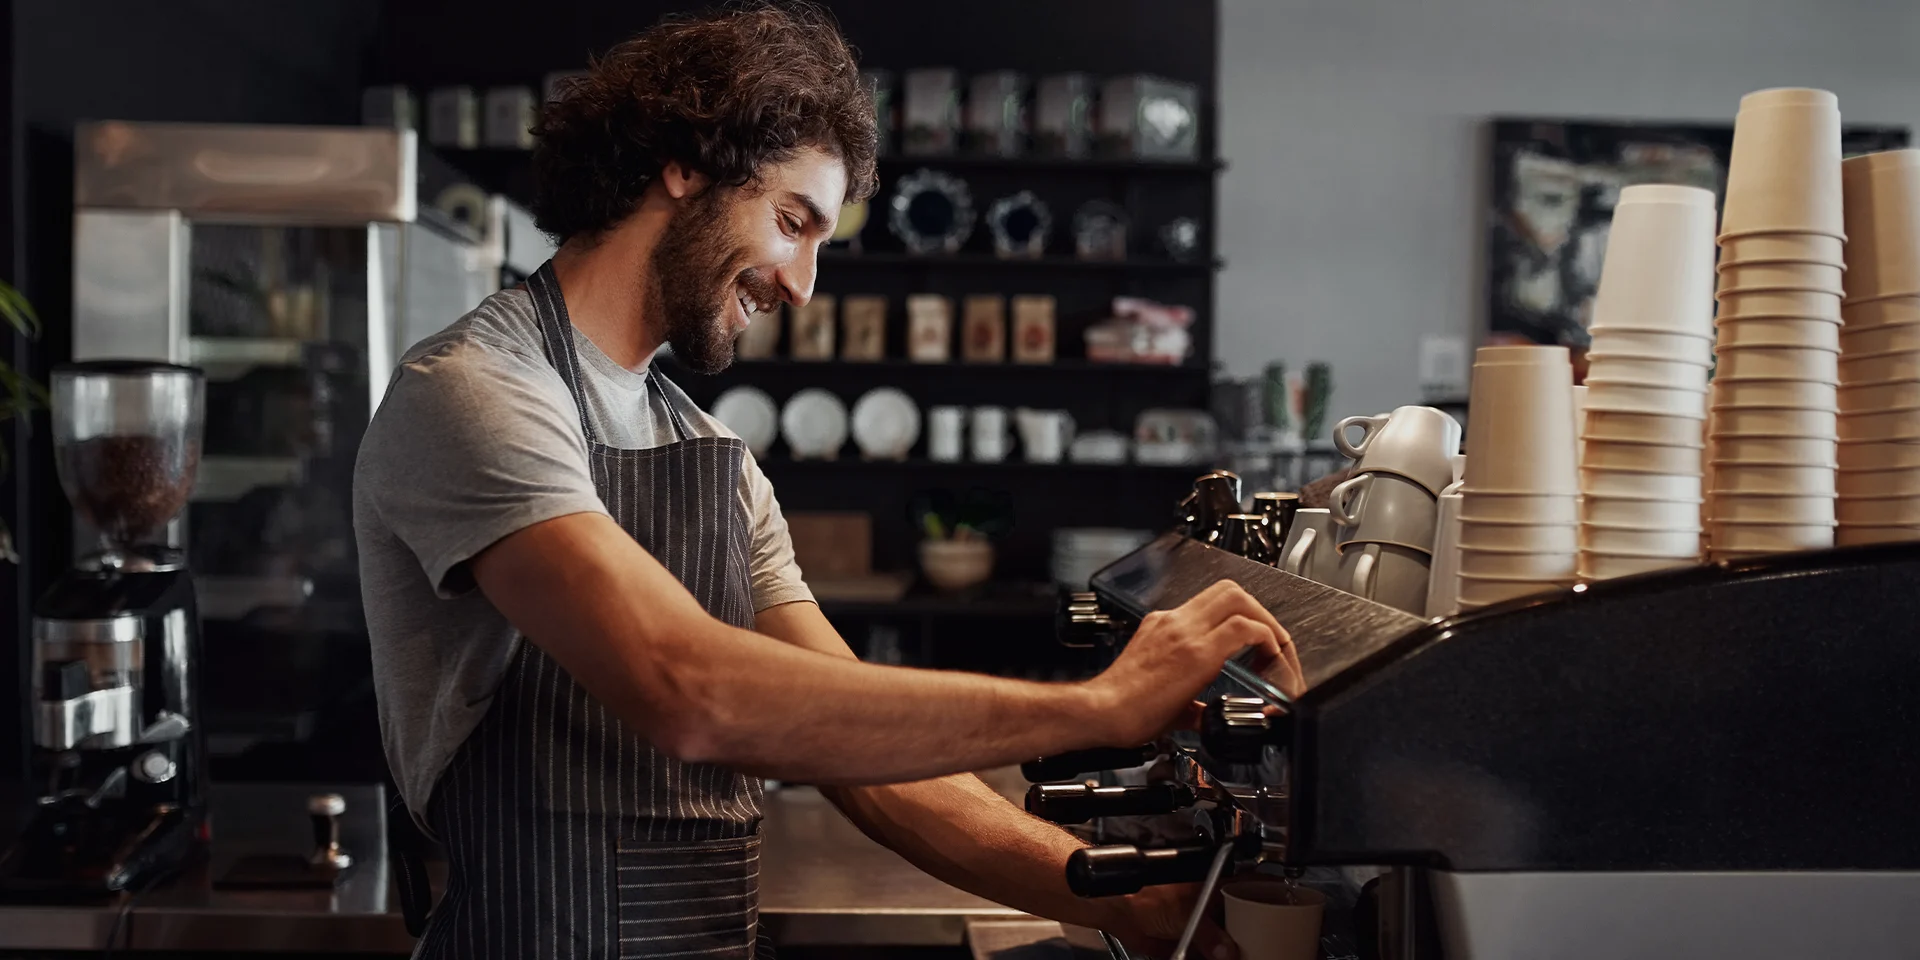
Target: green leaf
x=19 y=313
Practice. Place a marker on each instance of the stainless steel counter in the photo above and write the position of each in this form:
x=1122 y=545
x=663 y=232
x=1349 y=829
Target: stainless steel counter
x=822 y=883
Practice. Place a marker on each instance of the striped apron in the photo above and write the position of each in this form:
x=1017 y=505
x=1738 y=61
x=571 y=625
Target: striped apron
x=567 y=834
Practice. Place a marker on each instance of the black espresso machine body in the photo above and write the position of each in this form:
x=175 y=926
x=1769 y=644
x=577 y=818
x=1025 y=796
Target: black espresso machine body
x=1715 y=761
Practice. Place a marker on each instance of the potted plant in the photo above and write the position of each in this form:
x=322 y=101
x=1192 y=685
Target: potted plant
x=19 y=394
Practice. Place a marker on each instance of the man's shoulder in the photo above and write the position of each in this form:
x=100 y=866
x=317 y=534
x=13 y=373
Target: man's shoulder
x=504 y=324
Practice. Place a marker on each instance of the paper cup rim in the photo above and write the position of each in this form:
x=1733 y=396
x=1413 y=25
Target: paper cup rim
x=1847 y=330
x=1623 y=498
x=1711 y=523
x=1722 y=264
x=1779 y=288
x=1552 y=582
x=1724 y=407
x=1880 y=354
x=1226 y=890
x=1609 y=356
x=1723 y=316
x=1778 y=231
x=1499 y=492
x=1591 y=408
x=1878 y=297
x=1542 y=524
x=1638 y=442
x=1630 y=328
x=1903 y=408
x=1513 y=551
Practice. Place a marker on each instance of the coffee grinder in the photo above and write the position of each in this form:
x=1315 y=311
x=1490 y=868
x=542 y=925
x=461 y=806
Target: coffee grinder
x=116 y=643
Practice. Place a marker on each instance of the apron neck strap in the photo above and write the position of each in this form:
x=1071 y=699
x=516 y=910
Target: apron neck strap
x=556 y=329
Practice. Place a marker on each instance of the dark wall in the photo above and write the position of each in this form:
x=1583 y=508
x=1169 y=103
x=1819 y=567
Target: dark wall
x=239 y=61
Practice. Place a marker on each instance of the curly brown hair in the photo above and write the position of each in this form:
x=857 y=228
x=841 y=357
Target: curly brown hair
x=722 y=92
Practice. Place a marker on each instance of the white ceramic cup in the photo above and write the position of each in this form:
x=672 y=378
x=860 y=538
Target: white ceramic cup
x=1605 y=566
x=1894 y=424
x=1882 y=312
x=1521 y=413
x=946 y=434
x=990 y=439
x=1774 y=451
x=1613 y=425
x=1625 y=341
x=1806 y=394
x=1418 y=443
x=1636 y=398
x=1640 y=457
x=1741 y=478
x=1271 y=920
x=1531 y=537
x=1387 y=573
x=1813 y=334
x=1044 y=434
x=1779 y=363
x=1310 y=550
x=1658 y=271
x=1857 y=535
x=1771 y=247
x=1882 y=206
x=1767 y=536
x=1892 y=511
x=1655 y=514
x=1386 y=507
x=1772 y=422
x=1769 y=508
x=1640 y=541
x=1518 y=507
x=1641 y=486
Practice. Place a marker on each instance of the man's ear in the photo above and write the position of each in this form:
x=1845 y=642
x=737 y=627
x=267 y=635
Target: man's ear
x=681 y=181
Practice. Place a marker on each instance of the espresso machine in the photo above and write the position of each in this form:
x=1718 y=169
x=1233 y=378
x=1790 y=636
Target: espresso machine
x=1716 y=761
x=117 y=740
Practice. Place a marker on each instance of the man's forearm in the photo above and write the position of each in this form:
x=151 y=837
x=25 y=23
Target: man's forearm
x=959 y=830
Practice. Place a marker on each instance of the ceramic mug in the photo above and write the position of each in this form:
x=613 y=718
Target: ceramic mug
x=1418 y=443
x=1309 y=551
x=1044 y=434
x=1388 y=573
x=1379 y=506
x=946 y=434
x=989 y=434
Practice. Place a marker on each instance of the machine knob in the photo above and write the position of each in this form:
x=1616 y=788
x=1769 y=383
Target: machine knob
x=1238 y=729
x=1069 y=803
x=154 y=767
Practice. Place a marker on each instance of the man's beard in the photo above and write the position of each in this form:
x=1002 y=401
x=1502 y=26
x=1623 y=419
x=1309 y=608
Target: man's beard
x=695 y=267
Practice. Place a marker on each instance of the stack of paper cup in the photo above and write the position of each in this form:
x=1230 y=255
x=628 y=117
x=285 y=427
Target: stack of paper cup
x=1773 y=423
x=1879 y=481
x=1519 y=517
x=1640 y=450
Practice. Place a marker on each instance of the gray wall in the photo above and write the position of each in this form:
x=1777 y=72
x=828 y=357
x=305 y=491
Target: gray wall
x=1351 y=214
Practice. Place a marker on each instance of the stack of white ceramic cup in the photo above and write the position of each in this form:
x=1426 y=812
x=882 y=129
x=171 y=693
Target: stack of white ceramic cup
x=1389 y=507
x=1773 y=427
x=1519 y=511
x=1879 y=480
x=1641 y=439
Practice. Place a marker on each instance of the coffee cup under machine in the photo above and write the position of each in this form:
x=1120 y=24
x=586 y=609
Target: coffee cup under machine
x=117 y=740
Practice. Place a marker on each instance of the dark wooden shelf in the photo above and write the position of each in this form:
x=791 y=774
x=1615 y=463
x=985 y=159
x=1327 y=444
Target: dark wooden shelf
x=960 y=161
x=978 y=261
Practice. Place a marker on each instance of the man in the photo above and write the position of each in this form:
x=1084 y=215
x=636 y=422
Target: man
x=597 y=789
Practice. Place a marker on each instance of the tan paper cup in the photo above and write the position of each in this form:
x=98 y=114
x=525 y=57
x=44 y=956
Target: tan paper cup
x=1654 y=514
x=1537 y=538
x=1790 y=97
x=1520 y=566
x=1779 y=332
x=1486 y=591
x=1520 y=416
x=1643 y=428
x=1692 y=347
x=1880 y=483
x=1806 y=394
x=1857 y=535
x=1272 y=919
x=1772 y=451
x=1899 y=511
x=1780 y=275
x=1658 y=269
x=1887 y=338
x=1879 y=455
x=1652 y=373
x=1772 y=422
x=1858 y=398
x=1640 y=457
x=1784 y=169
x=1886 y=312
x=1496 y=507
x=1634 y=398
x=1882 y=204
x=1769 y=508
x=1742 y=478
x=1641 y=486
x=1641 y=541
x=1779 y=303
x=1779 y=363
x=1605 y=566
x=1768 y=536
x=1895 y=424
x=1797 y=247
x=1879 y=367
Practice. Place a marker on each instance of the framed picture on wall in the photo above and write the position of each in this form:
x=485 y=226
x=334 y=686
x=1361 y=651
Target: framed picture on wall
x=1554 y=186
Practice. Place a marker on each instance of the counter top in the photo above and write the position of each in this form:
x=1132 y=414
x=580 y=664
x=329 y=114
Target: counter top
x=822 y=883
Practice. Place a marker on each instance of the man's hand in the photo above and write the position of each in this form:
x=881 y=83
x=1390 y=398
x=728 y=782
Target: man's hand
x=1149 y=923
x=1176 y=653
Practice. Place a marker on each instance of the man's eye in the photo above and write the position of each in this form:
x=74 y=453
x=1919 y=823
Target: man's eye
x=791 y=225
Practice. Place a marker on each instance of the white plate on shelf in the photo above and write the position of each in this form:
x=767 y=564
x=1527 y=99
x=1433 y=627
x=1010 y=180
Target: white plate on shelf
x=750 y=413
x=815 y=424
x=886 y=424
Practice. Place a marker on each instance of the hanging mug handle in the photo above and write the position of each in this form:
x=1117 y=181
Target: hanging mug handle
x=1344 y=513
x=1357 y=450
x=1295 y=562
x=1361 y=583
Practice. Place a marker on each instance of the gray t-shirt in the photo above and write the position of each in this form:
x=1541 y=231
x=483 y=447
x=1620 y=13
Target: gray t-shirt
x=478 y=438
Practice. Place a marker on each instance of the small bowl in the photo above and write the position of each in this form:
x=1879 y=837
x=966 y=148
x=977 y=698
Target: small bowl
x=954 y=565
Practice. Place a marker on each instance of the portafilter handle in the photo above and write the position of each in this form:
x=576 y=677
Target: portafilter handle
x=1066 y=766
x=1070 y=803
x=1120 y=869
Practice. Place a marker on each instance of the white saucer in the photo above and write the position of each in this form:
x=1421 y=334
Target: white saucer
x=815 y=424
x=751 y=413
x=886 y=424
